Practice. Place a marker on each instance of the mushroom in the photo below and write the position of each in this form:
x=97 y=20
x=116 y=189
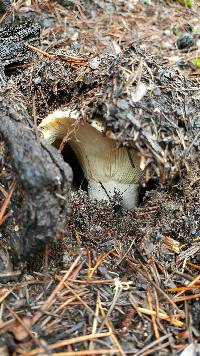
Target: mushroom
x=107 y=168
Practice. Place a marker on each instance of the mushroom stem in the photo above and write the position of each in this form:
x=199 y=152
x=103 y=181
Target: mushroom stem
x=105 y=191
x=108 y=169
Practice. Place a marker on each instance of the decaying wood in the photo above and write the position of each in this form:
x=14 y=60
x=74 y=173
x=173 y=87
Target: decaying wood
x=39 y=204
x=13 y=41
x=13 y=45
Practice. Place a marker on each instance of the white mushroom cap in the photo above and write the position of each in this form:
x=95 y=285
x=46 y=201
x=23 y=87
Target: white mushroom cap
x=108 y=169
x=53 y=126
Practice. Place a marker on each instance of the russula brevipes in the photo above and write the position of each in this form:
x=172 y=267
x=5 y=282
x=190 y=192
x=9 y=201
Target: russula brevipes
x=107 y=168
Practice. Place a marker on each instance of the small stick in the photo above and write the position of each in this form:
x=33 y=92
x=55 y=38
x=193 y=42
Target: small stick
x=186 y=297
x=7 y=201
x=110 y=327
x=183 y=288
x=77 y=353
x=71 y=341
x=153 y=316
x=40 y=51
x=59 y=287
x=141 y=352
x=95 y=323
x=98 y=263
x=189 y=285
x=162 y=316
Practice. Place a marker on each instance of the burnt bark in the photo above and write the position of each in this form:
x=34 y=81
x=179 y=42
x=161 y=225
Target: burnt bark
x=14 y=40
x=39 y=204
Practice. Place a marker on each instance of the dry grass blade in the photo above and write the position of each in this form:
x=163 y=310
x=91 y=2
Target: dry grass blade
x=62 y=306
x=141 y=271
x=92 y=281
x=118 y=290
x=95 y=323
x=155 y=350
x=81 y=300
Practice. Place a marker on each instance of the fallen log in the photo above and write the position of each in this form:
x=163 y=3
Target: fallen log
x=39 y=203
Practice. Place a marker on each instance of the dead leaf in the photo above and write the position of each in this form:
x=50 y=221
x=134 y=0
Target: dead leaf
x=19 y=331
x=171 y=244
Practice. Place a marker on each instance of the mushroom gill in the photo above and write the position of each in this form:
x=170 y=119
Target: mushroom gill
x=107 y=168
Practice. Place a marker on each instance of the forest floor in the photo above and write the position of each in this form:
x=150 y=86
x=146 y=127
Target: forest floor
x=116 y=282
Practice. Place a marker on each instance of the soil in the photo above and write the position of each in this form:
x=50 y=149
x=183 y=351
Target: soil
x=81 y=277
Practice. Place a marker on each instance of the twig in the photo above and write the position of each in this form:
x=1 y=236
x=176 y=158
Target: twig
x=95 y=323
x=153 y=316
x=71 y=341
x=50 y=299
x=110 y=327
x=161 y=315
x=154 y=343
x=40 y=51
x=88 y=352
x=99 y=261
x=189 y=285
x=155 y=285
x=186 y=297
x=7 y=201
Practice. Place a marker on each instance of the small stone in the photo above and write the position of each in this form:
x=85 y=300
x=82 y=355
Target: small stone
x=167 y=32
x=37 y=80
x=16 y=228
x=122 y=104
x=75 y=46
x=157 y=92
x=4 y=5
x=94 y=62
x=185 y=41
x=167 y=45
x=47 y=21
